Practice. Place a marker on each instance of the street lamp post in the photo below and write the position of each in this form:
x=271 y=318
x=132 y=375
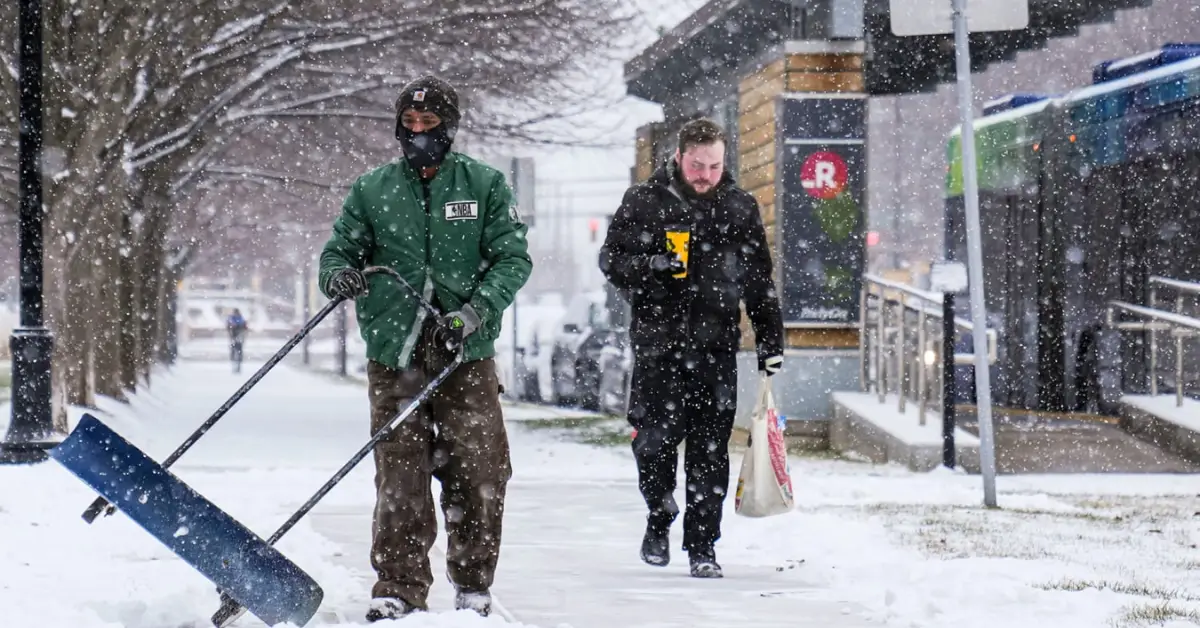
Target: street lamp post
x=31 y=427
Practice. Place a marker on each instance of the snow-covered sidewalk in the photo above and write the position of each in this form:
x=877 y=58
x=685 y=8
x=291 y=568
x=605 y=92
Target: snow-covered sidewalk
x=867 y=545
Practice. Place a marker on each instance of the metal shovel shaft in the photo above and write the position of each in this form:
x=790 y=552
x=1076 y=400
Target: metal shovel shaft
x=429 y=307
x=365 y=451
x=230 y=609
x=102 y=504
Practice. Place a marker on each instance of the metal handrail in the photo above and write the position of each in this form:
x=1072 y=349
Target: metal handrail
x=932 y=297
x=907 y=299
x=1179 y=325
x=966 y=325
x=1189 y=287
x=1171 y=318
x=935 y=298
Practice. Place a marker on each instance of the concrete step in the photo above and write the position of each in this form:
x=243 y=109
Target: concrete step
x=1034 y=442
x=1026 y=442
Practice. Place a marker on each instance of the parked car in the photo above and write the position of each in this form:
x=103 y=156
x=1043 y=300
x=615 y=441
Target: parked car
x=616 y=370
x=576 y=346
x=588 y=362
x=538 y=318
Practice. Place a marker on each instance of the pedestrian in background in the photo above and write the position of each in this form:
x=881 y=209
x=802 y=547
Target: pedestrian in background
x=686 y=248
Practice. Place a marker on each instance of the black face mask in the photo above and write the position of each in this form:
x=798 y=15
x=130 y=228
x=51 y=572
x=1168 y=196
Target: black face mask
x=427 y=148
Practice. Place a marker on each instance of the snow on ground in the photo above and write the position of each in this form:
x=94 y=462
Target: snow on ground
x=868 y=545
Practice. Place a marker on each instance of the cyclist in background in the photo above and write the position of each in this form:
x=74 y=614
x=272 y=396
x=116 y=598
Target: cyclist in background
x=237 y=327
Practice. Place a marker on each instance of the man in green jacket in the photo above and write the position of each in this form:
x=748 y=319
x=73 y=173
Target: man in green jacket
x=448 y=224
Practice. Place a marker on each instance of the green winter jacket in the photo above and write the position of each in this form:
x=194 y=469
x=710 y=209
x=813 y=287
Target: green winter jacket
x=469 y=247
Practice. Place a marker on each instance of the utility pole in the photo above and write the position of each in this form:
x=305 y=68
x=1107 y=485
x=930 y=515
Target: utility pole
x=516 y=356
x=928 y=17
x=30 y=429
x=983 y=391
x=342 y=316
x=307 y=308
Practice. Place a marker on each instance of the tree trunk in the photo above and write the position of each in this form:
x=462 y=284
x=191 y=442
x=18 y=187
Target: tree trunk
x=154 y=223
x=168 y=345
x=75 y=342
x=105 y=314
x=67 y=280
x=55 y=302
x=130 y=293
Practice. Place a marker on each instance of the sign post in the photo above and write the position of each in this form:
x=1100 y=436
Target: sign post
x=929 y=17
x=949 y=278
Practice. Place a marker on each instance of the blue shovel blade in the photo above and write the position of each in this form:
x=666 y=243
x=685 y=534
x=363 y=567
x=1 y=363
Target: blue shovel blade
x=235 y=559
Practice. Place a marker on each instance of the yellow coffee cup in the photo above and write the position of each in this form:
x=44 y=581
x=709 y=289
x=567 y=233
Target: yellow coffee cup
x=677 y=243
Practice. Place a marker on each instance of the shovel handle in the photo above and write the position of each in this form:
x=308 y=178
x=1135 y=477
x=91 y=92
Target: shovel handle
x=101 y=504
x=230 y=608
x=429 y=307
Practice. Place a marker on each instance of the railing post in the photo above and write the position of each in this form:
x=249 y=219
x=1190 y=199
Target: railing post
x=880 y=372
x=921 y=367
x=1178 y=367
x=1178 y=354
x=902 y=308
x=1153 y=346
x=863 y=353
x=948 y=384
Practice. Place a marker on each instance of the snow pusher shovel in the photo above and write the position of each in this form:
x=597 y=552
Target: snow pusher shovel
x=103 y=505
x=247 y=570
x=233 y=606
x=203 y=535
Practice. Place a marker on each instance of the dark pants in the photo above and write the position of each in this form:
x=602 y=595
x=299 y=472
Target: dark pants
x=235 y=353
x=457 y=436
x=691 y=399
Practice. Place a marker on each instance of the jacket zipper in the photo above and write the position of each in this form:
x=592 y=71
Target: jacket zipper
x=691 y=277
x=425 y=194
x=426 y=286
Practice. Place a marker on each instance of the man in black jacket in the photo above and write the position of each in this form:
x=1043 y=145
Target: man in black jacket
x=685 y=248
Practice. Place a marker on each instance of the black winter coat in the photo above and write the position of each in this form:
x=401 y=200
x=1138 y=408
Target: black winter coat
x=728 y=261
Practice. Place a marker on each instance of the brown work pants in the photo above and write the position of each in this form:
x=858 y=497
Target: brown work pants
x=457 y=436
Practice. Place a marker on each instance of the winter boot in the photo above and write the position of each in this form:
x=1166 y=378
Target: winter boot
x=478 y=601
x=388 y=608
x=704 y=564
x=656 y=547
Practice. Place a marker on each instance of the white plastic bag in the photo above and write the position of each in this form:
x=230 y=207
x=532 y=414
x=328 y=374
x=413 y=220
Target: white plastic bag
x=764 y=485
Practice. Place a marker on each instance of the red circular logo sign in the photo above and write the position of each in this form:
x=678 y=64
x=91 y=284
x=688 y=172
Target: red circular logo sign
x=823 y=175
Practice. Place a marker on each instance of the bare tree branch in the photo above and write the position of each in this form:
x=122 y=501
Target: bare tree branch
x=252 y=174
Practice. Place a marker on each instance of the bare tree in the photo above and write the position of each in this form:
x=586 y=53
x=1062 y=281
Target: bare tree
x=149 y=104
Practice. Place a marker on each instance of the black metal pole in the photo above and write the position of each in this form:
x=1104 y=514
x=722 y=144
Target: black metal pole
x=307 y=306
x=516 y=336
x=232 y=609
x=341 y=338
x=949 y=391
x=31 y=427
x=102 y=505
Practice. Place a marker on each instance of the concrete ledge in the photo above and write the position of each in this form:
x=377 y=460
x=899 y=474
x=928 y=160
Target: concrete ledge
x=1158 y=421
x=807 y=434
x=802 y=388
x=880 y=432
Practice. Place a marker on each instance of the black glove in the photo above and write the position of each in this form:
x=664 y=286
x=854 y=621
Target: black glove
x=453 y=328
x=770 y=364
x=349 y=283
x=666 y=264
